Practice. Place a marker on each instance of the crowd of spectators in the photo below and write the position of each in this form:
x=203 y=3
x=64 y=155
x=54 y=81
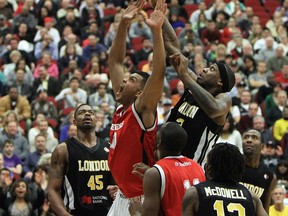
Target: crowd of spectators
x=53 y=56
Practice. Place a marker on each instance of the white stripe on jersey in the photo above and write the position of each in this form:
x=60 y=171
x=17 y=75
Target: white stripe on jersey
x=207 y=138
x=163 y=179
x=69 y=196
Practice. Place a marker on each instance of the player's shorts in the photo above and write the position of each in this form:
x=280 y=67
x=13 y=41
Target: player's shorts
x=120 y=206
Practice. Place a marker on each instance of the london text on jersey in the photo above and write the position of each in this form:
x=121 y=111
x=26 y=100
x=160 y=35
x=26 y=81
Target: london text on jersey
x=188 y=110
x=255 y=189
x=224 y=192
x=93 y=165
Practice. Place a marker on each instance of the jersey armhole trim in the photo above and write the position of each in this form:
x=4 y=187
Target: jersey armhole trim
x=163 y=179
x=140 y=121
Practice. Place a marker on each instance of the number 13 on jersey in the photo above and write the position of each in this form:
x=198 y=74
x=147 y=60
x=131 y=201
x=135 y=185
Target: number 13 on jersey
x=231 y=207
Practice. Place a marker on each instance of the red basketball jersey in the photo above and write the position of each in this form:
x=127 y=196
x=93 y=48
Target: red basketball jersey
x=177 y=173
x=128 y=135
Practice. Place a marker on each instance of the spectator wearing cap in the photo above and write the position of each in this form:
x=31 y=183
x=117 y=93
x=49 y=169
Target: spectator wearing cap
x=4 y=29
x=271 y=154
x=42 y=105
x=51 y=84
x=72 y=95
x=25 y=17
x=46 y=45
x=93 y=48
x=53 y=32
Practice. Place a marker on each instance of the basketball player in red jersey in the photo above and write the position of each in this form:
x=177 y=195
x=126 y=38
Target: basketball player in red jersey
x=166 y=182
x=133 y=130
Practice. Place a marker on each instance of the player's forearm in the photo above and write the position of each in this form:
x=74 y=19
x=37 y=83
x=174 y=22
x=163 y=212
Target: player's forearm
x=56 y=203
x=170 y=39
x=203 y=98
x=118 y=48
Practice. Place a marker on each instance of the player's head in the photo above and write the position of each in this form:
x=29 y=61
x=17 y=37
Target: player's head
x=225 y=163
x=171 y=139
x=84 y=117
x=252 y=143
x=218 y=78
x=132 y=87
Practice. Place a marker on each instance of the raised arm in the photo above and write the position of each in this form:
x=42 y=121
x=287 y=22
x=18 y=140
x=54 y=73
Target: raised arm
x=57 y=170
x=151 y=186
x=215 y=107
x=146 y=103
x=118 y=48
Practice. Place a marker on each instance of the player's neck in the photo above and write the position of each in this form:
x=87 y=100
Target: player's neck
x=87 y=139
x=252 y=162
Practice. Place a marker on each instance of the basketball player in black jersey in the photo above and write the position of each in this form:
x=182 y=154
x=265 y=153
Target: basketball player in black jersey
x=257 y=177
x=202 y=110
x=79 y=174
x=222 y=194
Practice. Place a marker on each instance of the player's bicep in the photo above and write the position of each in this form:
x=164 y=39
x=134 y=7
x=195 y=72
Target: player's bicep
x=58 y=166
x=151 y=186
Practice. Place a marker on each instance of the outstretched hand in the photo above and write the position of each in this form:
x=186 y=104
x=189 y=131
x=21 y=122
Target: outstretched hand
x=132 y=10
x=179 y=62
x=139 y=169
x=157 y=17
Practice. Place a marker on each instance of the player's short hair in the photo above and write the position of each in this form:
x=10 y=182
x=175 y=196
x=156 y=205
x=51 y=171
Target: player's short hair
x=76 y=111
x=144 y=76
x=225 y=163
x=173 y=137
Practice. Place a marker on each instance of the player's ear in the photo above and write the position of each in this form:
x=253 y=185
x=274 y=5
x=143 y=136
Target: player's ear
x=139 y=93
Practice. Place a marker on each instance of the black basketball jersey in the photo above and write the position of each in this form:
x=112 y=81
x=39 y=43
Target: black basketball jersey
x=87 y=177
x=224 y=199
x=202 y=131
x=258 y=180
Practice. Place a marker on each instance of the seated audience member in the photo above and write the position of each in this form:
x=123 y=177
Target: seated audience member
x=72 y=95
x=280 y=126
x=278 y=207
x=246 y=121
x=259 y=125
x=21 y=146
x=46 y=131
x=282 y=172
x=64 y=128
x=19 y=203
x=51 y=66
x=100 y=96
x=11 y=161
x=31 y=162
x=51 y=84
x=14 y=101
x=270 y=154
x=275 y=112
x=231 y=135
x=42 y=105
